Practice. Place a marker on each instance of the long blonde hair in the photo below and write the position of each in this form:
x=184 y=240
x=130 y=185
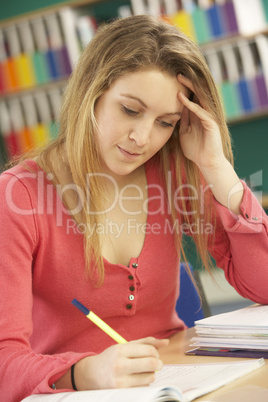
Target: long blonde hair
x=119 y=48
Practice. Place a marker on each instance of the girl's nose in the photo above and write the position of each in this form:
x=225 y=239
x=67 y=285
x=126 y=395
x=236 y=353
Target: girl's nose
x=141 y=134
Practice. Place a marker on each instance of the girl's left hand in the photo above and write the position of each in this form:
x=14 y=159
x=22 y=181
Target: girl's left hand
x=200 y=136
x=201 y=142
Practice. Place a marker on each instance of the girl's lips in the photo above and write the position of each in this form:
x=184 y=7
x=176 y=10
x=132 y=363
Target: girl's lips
x=127 y=154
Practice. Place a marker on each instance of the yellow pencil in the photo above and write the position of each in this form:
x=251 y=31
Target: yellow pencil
x=99 y=322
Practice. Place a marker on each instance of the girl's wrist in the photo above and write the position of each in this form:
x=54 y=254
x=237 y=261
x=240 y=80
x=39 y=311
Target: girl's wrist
x=211 y=172
x=73 y=378
x=225 y=186
x=64 y=382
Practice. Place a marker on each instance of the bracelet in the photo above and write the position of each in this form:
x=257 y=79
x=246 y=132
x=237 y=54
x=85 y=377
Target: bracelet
x=72 y=378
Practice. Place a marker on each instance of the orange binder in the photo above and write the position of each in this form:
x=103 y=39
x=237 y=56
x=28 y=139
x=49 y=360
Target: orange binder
x=13 y=53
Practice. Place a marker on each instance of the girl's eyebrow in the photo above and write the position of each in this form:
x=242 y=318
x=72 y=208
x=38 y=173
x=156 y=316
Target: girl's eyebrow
x=146 y=107
x=135 y=98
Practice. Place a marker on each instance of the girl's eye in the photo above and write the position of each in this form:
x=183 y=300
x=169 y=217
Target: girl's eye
x=129 y=111
x=132 y=112
x=165 y=124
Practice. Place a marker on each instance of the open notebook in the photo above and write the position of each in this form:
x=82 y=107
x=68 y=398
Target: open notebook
x=179 y=382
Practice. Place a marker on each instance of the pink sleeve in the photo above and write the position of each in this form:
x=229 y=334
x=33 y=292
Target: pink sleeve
x=22 y=372
x=241 y=247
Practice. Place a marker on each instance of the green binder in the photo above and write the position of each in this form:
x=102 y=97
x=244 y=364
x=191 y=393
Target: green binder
x=231 y=100
x=40 y=68
x=201 y=25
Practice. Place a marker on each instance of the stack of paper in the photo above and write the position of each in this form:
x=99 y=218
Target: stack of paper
x=241 y=333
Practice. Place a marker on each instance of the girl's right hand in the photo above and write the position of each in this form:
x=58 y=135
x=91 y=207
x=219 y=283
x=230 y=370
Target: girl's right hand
x=121 y=366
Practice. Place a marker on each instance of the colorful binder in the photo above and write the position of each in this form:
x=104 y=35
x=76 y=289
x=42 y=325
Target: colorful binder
x=215 y=20
x=54 y=96
x=154 y=7
x=230 y=17
x=170 y=6
x=44 y=112
x=8 y=132
x=86 y=27
x=37 y=130
x=216 y=69
x=5 y=84
x=27 y=55
x=250 y=16
x=230 y=91
x=43 y=44
x=262 y=47
x=13 y=52
x=138 y=7
x=182 y=19
x=201 y=25
x=68 y=25
x=249 y=68
x=58 y=51
x=23 y=135
x=41 y=62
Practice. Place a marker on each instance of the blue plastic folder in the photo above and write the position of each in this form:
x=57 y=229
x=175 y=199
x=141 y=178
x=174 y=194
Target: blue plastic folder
x=245 y=95
x=225 y=352
x=216 y=22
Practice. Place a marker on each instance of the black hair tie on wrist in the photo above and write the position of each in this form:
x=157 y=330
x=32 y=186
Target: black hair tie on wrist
x=72 y=378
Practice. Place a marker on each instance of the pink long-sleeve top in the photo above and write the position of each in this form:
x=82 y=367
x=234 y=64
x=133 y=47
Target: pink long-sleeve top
x=42 y=269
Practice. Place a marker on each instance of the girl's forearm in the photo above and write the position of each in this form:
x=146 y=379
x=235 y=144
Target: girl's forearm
x=225 y=185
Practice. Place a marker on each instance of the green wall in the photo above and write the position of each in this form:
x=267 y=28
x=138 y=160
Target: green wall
x=104 y=9
x=250 y=145
x=12 y=8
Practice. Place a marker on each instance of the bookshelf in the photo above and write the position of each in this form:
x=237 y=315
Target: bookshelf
x=38 y=51
x=44 y=44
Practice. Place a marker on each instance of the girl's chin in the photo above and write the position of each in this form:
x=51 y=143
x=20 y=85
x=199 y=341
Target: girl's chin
x=117 y=171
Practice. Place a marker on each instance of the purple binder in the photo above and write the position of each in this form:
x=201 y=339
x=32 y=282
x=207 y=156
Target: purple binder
x=230 y=17
x=262 y=90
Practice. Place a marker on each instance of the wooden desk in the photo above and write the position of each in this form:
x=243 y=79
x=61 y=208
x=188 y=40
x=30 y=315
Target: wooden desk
x=175 y=353
x=265 y=201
